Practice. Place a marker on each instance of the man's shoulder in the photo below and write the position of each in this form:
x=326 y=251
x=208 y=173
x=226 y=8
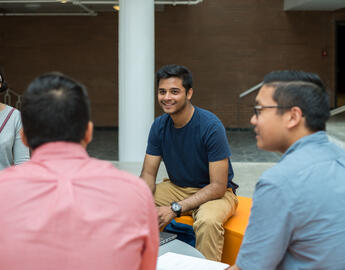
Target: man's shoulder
x=161 y=120
x=159 y=125
x=118 y=181
x=205 y=114
x=312 y=155
x=309 y=161
x=278 y=175
x=107 y=168
x=94 y=171
x=287 y=168
x=207 y=120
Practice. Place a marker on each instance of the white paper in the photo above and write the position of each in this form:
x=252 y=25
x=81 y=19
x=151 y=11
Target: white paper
x=174 y=261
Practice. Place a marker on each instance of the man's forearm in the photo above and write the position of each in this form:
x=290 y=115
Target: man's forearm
x=210 y=192
x=149 y=170
x=150 y=181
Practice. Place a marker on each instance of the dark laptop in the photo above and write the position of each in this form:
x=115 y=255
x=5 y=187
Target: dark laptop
x=166 y=237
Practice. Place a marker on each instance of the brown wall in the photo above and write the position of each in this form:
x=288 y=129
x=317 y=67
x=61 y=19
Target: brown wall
x=228 y=44
x=85 y=48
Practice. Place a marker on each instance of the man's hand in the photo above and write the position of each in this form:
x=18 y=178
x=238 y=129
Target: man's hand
x=165 y=215
x=214 y=190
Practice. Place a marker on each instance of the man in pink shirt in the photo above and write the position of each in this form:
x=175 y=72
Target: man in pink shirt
x=62 y=209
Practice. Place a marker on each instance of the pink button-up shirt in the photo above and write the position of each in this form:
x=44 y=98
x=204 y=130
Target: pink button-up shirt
x=63 y=210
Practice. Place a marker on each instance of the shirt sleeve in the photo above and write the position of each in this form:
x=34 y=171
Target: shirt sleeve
x=154 y=140
x=269 y=231
x=217 y=142
x=20 y=151
x=150 y=253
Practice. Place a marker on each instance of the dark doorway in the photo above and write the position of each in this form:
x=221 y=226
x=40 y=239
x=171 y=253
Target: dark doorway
x=340 y=64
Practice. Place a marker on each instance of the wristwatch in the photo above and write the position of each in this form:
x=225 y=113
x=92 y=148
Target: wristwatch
x=176 y=208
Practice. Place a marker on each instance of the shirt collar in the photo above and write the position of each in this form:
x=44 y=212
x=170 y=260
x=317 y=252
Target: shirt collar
x=58 y=150
x=317 y=137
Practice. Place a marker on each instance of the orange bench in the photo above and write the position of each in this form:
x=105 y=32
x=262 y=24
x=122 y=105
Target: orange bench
x=234 y=229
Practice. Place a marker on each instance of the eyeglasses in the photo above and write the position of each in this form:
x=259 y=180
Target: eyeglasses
x=259 y=108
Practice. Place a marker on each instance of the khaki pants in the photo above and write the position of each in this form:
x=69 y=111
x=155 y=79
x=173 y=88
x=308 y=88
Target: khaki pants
x=208 y=217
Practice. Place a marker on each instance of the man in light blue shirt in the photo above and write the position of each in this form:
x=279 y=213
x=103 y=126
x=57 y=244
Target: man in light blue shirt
x=298 y=216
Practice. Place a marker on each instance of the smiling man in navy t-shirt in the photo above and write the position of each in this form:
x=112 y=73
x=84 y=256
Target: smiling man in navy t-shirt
x=193 y=145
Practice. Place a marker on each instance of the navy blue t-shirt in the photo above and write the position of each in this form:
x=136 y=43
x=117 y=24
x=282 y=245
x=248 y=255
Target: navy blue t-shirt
x=187 y=151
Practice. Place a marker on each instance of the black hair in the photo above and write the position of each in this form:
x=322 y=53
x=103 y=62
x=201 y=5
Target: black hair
x=304 y=90
x=55 y=108
x=173 y=70
x=293 y=76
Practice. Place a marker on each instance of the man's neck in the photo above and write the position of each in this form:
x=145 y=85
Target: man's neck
x=297 y=135
x=183 y=117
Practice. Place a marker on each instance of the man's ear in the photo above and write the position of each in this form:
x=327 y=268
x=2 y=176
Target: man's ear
x=190 y=94
x=24 y=139
x=88 y=134
x=295 y=117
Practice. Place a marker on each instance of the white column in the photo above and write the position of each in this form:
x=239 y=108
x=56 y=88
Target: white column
x=136 y=77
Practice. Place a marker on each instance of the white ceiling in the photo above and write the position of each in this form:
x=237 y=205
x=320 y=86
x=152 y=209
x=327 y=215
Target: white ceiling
x=325 y=5
x=71 y=7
